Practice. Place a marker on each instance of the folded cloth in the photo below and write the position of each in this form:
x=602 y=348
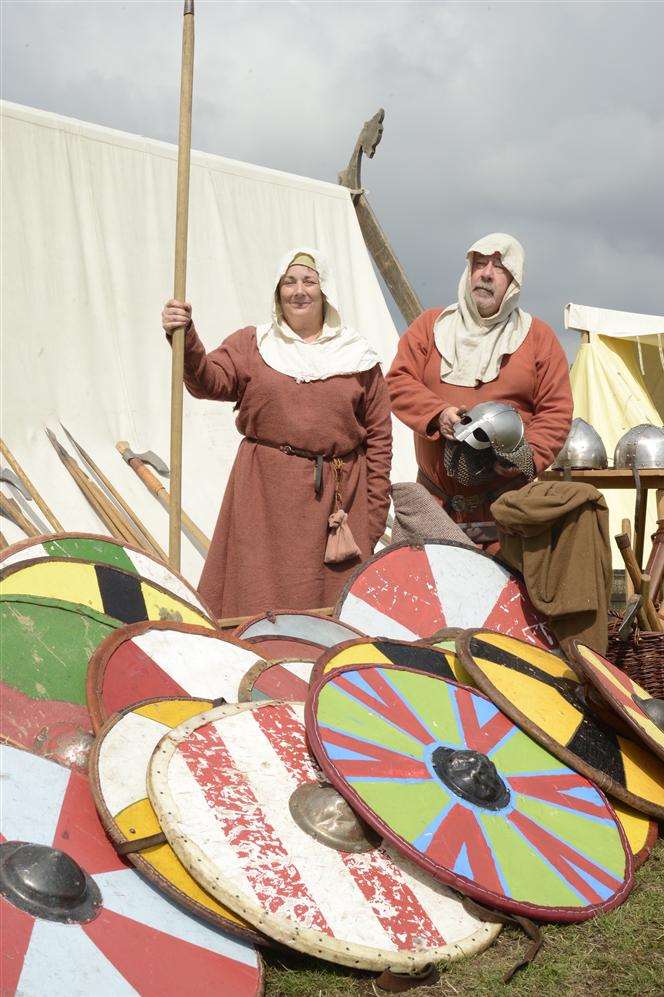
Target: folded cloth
x=557 y=534
x=418 y=517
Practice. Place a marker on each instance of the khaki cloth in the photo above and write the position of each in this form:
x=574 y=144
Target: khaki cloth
x=557 y=534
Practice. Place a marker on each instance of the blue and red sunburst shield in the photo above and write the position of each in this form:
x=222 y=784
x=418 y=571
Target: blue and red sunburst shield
x=455 y=786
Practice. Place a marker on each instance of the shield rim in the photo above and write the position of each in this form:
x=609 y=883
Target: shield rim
x=252 y=620
x=589 y=673
x=101 y=655
x=107 y=819
x=432 y=543
x=561 y=751
x=324 y=659
x=252 y=675
x=459 y=883
x=28 y=542
x=22 y=565
x=304 y=940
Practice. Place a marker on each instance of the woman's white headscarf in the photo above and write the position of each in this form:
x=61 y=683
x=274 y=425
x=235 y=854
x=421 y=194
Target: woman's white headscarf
x=471 y=346
x=338 y=349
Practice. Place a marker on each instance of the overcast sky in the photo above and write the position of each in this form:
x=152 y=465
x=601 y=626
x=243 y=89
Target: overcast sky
x=545 y=120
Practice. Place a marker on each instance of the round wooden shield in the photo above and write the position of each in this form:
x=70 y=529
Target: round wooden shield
x=118 y=777
x=540 y=692
x=322 y=630
x=276 y=648
x=165 y=659
x=412 y=592
x=104 y=550
x=287 y=679
x=44 y=652
x=121 y=594
x=444 y=639
x=136 y=941
x=627 y=698
x=436 y=769
x=641 y=833
x=222 y=787
x=419 y=656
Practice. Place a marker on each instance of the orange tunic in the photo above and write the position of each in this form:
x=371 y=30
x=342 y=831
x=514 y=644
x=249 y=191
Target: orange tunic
x=268 y=546
x=534 y=379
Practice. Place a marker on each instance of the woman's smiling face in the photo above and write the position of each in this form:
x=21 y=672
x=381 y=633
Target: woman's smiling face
x=301 y=298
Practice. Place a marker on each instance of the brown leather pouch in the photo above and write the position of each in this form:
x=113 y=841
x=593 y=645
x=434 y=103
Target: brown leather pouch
x=340 y=541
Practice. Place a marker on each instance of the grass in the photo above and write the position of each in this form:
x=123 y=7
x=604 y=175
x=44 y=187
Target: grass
x=620 y=954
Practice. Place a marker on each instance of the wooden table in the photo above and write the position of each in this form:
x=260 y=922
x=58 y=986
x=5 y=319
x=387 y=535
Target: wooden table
x=619 y=478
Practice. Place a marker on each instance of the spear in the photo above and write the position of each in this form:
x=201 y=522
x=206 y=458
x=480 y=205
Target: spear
x=180 y=280
x=150 y=543
x=16 y=467
x=108 y=514
x=10 y=508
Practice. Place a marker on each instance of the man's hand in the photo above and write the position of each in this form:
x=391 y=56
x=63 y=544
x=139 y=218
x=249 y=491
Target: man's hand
x=448 y=419
x=176 y=315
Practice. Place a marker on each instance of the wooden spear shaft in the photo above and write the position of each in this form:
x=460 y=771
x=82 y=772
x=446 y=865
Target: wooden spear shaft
x=12 y=510
x=155 y=486
x=150 y=544
x=18 y=470
x=108 y=514
x=180 y=281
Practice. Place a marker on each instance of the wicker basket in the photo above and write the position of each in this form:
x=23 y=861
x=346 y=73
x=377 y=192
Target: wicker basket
x=641 y=657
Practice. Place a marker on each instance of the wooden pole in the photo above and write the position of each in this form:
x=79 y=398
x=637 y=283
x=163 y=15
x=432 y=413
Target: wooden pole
x=149 y=543
x=18 y=470
x=180 y=281
x=648 y=619
x=629 y=586
x=155 y=486
x=12 y=510
x=104 y=508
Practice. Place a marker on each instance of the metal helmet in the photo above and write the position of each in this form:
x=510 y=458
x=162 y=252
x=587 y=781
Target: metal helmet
x=642 y=446
x=491 y=424
x=583 y=449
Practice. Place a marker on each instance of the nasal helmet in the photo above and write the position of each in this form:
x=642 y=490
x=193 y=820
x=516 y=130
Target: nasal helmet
x=491 y=424
x=641 y=447
x=583 y=449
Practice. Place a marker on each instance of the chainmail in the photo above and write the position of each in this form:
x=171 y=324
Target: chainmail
x=472 y=467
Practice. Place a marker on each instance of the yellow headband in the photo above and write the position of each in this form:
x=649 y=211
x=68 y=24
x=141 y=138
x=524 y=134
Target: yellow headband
x=303 y=260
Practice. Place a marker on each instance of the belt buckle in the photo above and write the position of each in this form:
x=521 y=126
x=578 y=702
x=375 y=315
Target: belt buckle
x=287 y=449
x=465 y=503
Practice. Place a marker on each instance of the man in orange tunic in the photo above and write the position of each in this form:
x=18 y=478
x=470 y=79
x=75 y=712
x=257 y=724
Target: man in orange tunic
x=483 y=348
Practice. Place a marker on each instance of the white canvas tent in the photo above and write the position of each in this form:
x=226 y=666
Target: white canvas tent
x=618 y=382
x=87 y=258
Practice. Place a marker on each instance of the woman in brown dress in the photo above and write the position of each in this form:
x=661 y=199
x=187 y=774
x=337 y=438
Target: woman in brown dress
x=314 y=412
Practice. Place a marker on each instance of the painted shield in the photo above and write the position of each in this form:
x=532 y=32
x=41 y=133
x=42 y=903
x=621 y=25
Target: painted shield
x=45 y=646
x=412 y=592
x=444 y=639
x=540 y=692
x=136 y=942
x=436 y=769
x=222 y=787
x=104 y=550
x=322 y=630
x=640 y=832
x=628 y=699
x=421 y=657
x=162 y=659
x=121 y=594
x=118 y=777
x=276 y=648
x=287 y=679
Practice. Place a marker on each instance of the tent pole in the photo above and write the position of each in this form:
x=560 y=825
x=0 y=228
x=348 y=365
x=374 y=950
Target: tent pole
x=180 y=281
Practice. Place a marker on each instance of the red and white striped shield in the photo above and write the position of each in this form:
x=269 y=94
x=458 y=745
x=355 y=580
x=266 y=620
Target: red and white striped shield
x=409 y=593
x=221 y=786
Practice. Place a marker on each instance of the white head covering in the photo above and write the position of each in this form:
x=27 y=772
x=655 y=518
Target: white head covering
x=471 y=346
x=338 y=349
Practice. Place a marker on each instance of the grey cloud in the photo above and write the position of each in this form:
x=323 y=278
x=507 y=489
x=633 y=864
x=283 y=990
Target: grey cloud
x=540 y=119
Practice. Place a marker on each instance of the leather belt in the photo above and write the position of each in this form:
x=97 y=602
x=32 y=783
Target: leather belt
x=457 y=503
x=317 y=458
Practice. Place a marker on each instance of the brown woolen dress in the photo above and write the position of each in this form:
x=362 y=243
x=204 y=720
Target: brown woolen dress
x=268 y=546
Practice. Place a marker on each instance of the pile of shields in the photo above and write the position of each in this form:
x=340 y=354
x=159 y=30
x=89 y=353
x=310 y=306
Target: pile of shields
x=382 y=789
